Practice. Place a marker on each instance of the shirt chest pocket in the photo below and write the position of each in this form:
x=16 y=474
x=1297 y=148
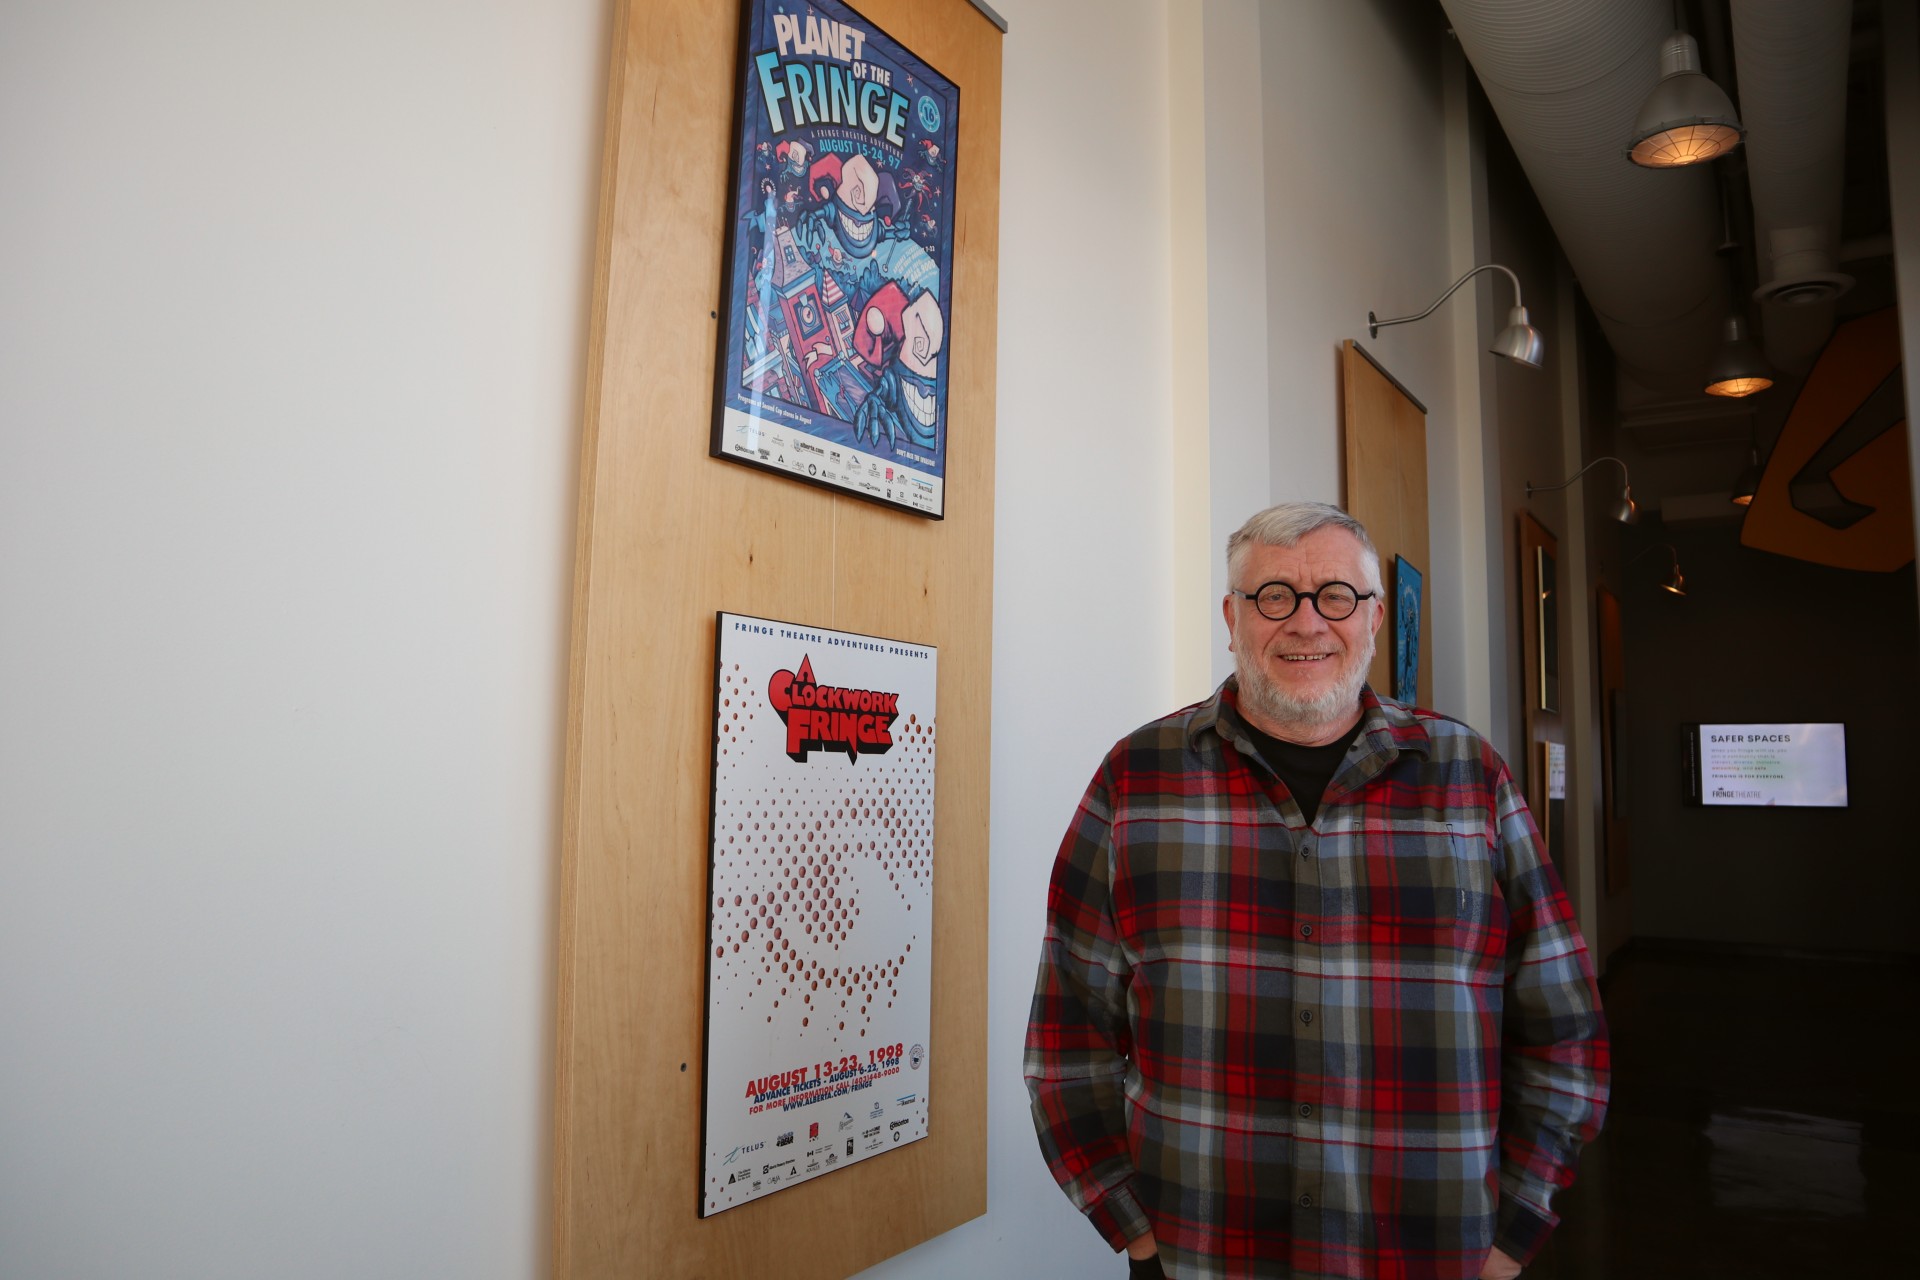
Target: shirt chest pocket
x=1414 y=883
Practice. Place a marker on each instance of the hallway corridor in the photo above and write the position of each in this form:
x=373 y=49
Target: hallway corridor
x=1764 y=1123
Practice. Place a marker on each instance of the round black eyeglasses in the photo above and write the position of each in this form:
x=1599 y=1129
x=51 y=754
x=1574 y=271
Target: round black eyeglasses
x=1277 y=601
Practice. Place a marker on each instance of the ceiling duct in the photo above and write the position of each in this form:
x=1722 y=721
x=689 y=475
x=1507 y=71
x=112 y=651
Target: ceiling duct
x=1792 y=60
x=1803 y=271
x=1566 y=79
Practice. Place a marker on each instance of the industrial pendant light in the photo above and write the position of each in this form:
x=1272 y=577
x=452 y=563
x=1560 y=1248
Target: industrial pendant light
x=1738 y=368
x=1687 y=119
x=1748 y=481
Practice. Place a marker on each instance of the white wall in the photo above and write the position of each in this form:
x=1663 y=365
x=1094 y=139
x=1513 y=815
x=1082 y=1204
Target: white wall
x=1354 y=131
x=291 y=329
x=1083 y=572
x=292 y=305
x=1234 y=206
x=1093 y=105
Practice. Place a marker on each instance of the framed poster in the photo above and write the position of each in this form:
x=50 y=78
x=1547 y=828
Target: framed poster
x=1552 y=817
x=820 y=905
x=1547 y=604
x=833 y=359
x=1406 y=631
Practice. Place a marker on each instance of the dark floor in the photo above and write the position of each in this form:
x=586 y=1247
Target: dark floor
x=1765 y=1122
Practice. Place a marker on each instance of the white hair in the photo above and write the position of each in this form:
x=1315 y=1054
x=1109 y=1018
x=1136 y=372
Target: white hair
x=1284 y=525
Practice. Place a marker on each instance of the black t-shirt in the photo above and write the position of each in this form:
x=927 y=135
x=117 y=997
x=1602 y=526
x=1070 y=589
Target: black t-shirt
x=1305 y=770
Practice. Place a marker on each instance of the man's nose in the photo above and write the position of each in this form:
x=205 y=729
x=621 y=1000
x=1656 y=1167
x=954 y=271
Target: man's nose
x=1306 y=619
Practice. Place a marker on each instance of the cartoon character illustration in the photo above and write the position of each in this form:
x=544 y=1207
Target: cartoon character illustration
x=853 y=235
x=837 y=323
x=783 y=166
x=902 y=339
x=793 y=155
x=763 y=221
x=918 y=190
x=1406 y=676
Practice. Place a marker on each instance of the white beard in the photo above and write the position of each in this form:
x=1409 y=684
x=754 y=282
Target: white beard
x=1268 y=702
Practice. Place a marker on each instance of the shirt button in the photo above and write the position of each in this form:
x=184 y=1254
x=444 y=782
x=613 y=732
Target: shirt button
x=1306 y=931
x=1306 y=1202
x=1306 y=1108
x=1306 y=1015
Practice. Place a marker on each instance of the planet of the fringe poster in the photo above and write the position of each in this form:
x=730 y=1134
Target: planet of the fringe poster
x=833 y=362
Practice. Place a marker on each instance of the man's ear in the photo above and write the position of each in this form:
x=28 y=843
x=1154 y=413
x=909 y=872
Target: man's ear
x=1226 y=612
x=1380 y=613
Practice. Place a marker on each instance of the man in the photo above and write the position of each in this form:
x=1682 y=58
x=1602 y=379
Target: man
x=1311 y=1002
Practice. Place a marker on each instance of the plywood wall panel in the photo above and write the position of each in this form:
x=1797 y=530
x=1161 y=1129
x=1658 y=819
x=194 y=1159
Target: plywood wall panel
x=1385 y=432
x=668 y=537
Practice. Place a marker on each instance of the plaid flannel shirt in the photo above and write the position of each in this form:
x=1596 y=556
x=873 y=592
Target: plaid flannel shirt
x=1366 y=1047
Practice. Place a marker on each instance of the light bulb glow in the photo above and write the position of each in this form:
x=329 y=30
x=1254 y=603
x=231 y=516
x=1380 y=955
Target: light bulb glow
x=1685 y=144
x=1734 y=388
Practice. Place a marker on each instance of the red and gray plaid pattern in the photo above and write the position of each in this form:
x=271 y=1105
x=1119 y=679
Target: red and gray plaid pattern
x=1370 y=1047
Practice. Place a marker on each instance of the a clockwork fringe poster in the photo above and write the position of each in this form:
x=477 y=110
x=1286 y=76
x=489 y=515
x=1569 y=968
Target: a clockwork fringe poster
x=833 y=362
x=820 y=905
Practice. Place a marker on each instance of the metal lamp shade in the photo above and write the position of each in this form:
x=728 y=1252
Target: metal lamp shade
x=1687 y=119
x=1520 y=341
x=1749 y=481
x=1738 y=368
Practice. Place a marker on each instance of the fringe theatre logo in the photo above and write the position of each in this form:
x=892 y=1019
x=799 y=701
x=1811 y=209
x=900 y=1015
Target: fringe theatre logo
x=826 y=717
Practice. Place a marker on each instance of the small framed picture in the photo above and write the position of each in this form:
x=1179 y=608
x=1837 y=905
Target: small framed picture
x=1406 y=631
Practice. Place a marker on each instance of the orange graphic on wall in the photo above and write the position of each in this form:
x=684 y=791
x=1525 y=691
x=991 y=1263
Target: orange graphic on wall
x=1855 y=386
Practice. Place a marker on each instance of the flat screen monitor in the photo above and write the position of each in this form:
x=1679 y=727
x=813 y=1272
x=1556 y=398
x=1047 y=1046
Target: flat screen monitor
x=1786 y=765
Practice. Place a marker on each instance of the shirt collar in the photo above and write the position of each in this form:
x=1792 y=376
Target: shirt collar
x=1387 y=728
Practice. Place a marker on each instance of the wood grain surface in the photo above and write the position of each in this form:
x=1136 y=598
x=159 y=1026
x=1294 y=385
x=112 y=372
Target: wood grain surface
x=668 y=536
x=1386 y=490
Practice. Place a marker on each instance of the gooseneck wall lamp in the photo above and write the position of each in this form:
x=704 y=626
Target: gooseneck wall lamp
x=1519 y=341
x=1675 y=583
x=1624 y=511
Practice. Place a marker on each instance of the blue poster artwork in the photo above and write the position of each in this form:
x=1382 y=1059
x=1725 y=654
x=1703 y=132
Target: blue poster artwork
x=833 y=361
x=1406 y=631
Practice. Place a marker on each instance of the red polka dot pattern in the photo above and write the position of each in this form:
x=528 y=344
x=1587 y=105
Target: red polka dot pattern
x=822 y=886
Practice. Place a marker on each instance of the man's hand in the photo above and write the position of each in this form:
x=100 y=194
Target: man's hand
x=1499 y=1266
x=1143 y=1258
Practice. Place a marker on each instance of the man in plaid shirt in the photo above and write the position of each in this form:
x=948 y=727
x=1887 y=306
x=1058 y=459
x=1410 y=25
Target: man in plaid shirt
x=1312 y=1002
